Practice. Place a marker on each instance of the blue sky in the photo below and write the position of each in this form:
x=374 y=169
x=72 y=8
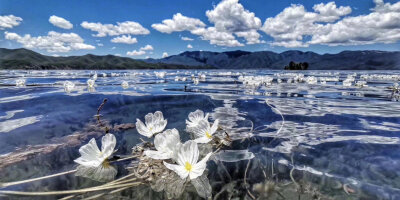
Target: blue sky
x=251 y=25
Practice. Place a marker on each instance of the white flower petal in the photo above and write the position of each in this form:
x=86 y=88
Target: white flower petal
x=108 y=143
x=214 y=127
x=196 y=116
x=89 y=154
x=142 y=129
x=178 y=169
x=199 y=167
x=158 y=116
x=202 y=140
x=149 y=120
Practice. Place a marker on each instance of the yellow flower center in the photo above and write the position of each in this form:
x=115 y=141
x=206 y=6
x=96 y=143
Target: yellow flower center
x=208 y=134
x=106 y=164
x=188 y=166
x=151 y=128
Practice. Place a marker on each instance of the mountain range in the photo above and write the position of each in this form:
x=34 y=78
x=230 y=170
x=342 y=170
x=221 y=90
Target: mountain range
x=27 y=59
x=346 y=60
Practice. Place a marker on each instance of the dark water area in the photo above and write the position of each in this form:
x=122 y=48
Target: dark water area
x=336 y=141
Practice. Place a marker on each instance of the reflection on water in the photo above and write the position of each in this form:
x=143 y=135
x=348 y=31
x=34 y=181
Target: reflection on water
x=337 y=141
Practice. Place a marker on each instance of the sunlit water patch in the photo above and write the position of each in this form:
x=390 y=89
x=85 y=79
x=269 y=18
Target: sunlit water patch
x=313 y=134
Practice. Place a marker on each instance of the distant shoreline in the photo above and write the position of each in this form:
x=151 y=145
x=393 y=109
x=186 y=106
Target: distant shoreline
x=24 y=59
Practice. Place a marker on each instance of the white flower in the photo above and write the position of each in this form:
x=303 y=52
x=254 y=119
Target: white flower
x=203 y=132
x=68 y=86
x=20 y=82
x=125 y=84
x=91 y=156
x=167 y=143
x=90 y=83
x=155 y=123
x=187 y=158
x=195 y=117
x=94 y=77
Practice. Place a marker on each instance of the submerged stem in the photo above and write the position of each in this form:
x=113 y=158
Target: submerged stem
x=35 y=179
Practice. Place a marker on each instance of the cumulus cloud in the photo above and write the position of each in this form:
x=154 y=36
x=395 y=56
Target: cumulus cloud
x=189 y=46
x=128 y=27
x=9 y=21
x=230 y=15
x=178 y=23
x=100 y=44
x=60 y=22
x=164 y=55
x=290 y=26
x=147 y=48
x=218 y=38
x=53 y=42
x=230 y=20
x=186 y=39
x=135 y=53
x=124 y=39
x=330 y=25
x=382 y=25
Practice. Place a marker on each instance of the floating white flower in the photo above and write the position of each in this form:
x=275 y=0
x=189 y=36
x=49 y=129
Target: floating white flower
x=125 y=84
x=68 y=86
x=90 y=83
x=20 y=82
x=167 y=143
x=104 y=75
x=91 y=156
x=155 y=123
x=94 y=77
x=187 y=158
x=203 y=131
x=94 y=163
x=195 y=117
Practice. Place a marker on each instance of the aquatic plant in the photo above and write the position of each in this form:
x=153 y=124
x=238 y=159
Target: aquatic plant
x=20 y=82
x=68 y=86
x=125 y=84
x=155 y=123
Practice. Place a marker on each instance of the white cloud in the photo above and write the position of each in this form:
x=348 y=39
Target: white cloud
x=124 y=39
x=112 y=48
x=230 y=19
x=128 y=27
x=218 y=38
x=289 y=27
x=189 y=46
x=186 y=39
x=230 y=15
x=117 y=54
x=178 y=23
x=53 y=42
x=164 y=55
x=147 y=48
x=100 y=44
x=329 y=25
x=9 y=21
x=135 y=53
x=382 y=25
x=60 y=22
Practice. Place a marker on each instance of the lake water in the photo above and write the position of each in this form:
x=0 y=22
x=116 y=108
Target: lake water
x=336 y=141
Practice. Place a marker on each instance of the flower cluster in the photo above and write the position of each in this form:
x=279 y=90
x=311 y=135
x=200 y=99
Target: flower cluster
x=168 y=144
x=181 y=158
